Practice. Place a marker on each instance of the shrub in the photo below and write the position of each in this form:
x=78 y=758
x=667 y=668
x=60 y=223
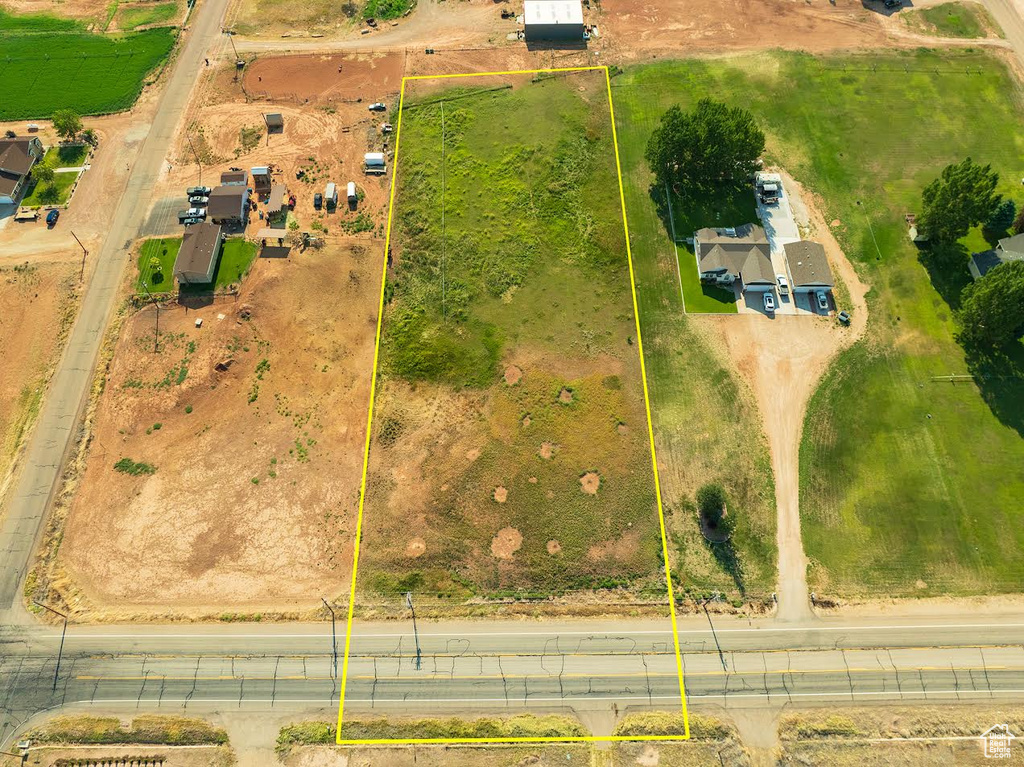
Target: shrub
x=128 y=466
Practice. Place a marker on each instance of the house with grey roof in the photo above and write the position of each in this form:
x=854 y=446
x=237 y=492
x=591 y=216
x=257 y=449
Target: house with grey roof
x=736 y=254
x=18 y=155
x=1006 y=250
x=809 y=267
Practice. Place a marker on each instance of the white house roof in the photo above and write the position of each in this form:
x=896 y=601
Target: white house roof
x=552 y=12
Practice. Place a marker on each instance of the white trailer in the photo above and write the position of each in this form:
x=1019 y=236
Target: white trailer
x=374 y=163
x=350 y=192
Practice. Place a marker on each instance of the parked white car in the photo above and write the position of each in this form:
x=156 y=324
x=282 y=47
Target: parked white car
x=783 y=284
x=769 y=302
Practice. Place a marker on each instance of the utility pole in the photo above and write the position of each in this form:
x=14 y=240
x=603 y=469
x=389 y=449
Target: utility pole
x=156 y=336
x=334 y=636
x=81 y=277
x=194 y=152
x=415 y=633
x=64 y=631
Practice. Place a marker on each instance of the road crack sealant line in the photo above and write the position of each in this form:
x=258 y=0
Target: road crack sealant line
x=369 y=423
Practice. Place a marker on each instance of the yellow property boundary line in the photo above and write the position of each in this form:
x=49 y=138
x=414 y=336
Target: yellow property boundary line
x=369 y=423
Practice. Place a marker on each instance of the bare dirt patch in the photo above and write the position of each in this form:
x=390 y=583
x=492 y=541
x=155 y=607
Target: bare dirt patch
x=415 y=547
x=500 y=494
x=324 y=78
x=620 y=549
x=548 y=450
x=553 y=547
x=565 y=396
x=506 y=543
x=472 y=455
x=512 y=375
x=256 y=467
x=622 y=429
x=37 y=307
x=590 y=482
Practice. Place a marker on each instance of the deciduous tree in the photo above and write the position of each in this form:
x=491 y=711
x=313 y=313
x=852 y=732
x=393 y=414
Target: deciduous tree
x=992 y=309
x=67 y=123
x=43 y=174
x=1002 y=217
x=702 y=148
x=962 y=197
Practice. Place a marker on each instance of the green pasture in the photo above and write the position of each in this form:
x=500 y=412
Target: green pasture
x=139 y=15
x=48 y=64
x=909 y=485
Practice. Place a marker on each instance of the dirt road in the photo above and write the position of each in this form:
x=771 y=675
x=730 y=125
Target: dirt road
x=1009 y=14
x=57 y=423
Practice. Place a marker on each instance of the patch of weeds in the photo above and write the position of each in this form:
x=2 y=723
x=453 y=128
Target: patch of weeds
x=134 y=468
x=188 y=408
x=248 y=139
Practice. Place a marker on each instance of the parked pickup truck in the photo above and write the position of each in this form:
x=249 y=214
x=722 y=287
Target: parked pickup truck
x=26 y=215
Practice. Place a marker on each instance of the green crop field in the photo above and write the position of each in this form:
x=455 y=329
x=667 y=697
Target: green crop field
x=908 y=485
x=509 y=374
x=705 y=422
x=48 y=64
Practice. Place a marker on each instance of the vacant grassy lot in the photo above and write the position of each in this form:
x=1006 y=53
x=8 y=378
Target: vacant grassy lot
x=908 y=485
x=511 y=451
x=133 y=16
x=705 y=424
x=954 y=20
x=50 y=64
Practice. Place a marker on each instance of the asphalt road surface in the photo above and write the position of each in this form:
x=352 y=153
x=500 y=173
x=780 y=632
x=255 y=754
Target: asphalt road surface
x=52 y=437
x=509 y=666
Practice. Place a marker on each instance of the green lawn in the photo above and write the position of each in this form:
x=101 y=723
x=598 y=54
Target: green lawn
x=157 y=280
x=236 y=256
x=42 y=69
x=63 y=182
x=969 y=20
x=133 y=16
x=69 y=156
x=903 y=479
x=706 y=425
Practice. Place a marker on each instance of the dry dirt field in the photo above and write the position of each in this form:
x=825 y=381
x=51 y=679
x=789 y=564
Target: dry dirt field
x=254 y=424
x=37 y=307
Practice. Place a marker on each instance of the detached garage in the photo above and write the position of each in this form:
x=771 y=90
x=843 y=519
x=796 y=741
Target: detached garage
x=553 y=20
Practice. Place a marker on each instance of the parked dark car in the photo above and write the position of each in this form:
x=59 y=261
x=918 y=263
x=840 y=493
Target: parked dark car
x=51 y=218
x=318 y=200
x=893 y=3
x=198 y=191
x=192 y=220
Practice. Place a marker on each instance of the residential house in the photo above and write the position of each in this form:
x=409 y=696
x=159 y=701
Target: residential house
x=234 y=178
x=197 y=257
x=809 y=267
x=17 y=157
x=1008 y=249
x=741 y=254
x=228 y=204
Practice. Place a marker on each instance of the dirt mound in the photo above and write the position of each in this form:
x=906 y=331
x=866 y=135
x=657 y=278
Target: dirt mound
x=472 y=455
x=526 y=421
x=548 y=450
x=554 y=547
x=565 y=396
x=512 y=375
x=589 y=482
x=622 y=429
x=500 y=494
x=506 y=543
x=533 y=480
x=416 y=547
